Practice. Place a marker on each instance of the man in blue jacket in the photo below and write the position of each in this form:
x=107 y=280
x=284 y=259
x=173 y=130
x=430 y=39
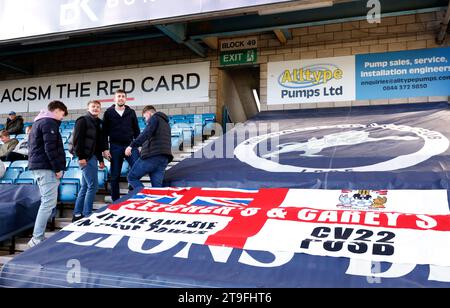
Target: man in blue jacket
x=47 y=160
x=156 y=152
x=120 y=127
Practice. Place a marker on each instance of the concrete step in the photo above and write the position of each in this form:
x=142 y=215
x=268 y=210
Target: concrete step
x=22 y=244
x=186 y=155
x=49 y=234
x=123 y=191
x=6 y=258
x=62 y=222
x=98 y=205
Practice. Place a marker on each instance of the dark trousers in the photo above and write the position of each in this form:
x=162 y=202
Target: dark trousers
x=117 y=156
x=13 y=156
x=154 y=166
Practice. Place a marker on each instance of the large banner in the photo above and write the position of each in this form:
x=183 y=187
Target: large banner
x=25 y=18
x=402 y=74
x=171 y=84
x=388 y=146
x=398 y=226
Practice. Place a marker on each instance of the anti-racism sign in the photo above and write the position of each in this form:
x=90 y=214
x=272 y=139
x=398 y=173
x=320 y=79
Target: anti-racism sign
x=403 y=74
x=181 y=83
x=399 y=226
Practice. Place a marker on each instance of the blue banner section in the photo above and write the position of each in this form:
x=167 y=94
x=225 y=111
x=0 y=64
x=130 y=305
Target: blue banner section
x=370 y=147
x=383 y=147
x=412 y=73
x=19 y=205
x=96 y=260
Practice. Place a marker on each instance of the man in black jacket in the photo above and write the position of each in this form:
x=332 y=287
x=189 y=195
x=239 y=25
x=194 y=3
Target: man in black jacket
x=47 y=160
x=14 y=124
x=120 y=127
x=156 y=151
x=88 y=144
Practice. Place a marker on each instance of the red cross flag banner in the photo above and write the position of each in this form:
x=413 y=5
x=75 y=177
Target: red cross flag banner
x=398 y=226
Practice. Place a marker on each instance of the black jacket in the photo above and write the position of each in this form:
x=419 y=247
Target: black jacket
x=45 y=146
x=156 y=139
x=88 y=138
x=14 y=127
x=120 y=129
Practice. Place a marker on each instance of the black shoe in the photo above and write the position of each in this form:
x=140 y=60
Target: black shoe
x=76 y=218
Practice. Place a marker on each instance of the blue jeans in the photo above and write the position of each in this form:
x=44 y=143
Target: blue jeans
x=48 y=187
x=117 y=156
x=89 y=186
x=153 y=166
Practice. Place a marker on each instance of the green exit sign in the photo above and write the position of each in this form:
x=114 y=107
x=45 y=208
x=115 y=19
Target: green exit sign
x=237 y=57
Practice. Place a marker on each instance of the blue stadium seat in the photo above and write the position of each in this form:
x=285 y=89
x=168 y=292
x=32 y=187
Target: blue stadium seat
x=10 y=176
x=22 y=165
x=73 y=163
x=142 y=126
x=21 y=136
x=66 y=134
x=209 y=129
x=178 y=118
x=68 y=154
x=108 y=166
x=195 y=118
x=25 y=177
x=102 y=177
x=208 y=117
x=70 y=185
x=125 y=169
x=123 y=172
x=177 y=144
x=197 y=127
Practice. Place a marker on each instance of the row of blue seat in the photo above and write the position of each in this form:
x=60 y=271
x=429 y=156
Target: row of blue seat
x=70 y=183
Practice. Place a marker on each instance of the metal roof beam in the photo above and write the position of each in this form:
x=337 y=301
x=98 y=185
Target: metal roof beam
x=444 y=27
x=212 y=42
x=82 y=44
x=283 y=35
x=16 y=68
x=177 y=32
x=344 y=12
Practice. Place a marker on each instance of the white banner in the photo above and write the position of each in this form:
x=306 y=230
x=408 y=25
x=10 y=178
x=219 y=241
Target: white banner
x=311 y=81
x=397 y=226
x=171 y=84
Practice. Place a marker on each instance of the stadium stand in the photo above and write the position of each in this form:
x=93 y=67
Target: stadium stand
x=17 y=174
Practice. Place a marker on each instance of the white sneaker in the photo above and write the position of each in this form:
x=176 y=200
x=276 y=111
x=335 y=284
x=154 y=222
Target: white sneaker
x=33 y=242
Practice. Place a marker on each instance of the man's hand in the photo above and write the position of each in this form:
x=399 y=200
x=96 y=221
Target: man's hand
x=128 y=151
x=107 y=155
x=101 y=165
x=59 y=174
x=82 y=163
